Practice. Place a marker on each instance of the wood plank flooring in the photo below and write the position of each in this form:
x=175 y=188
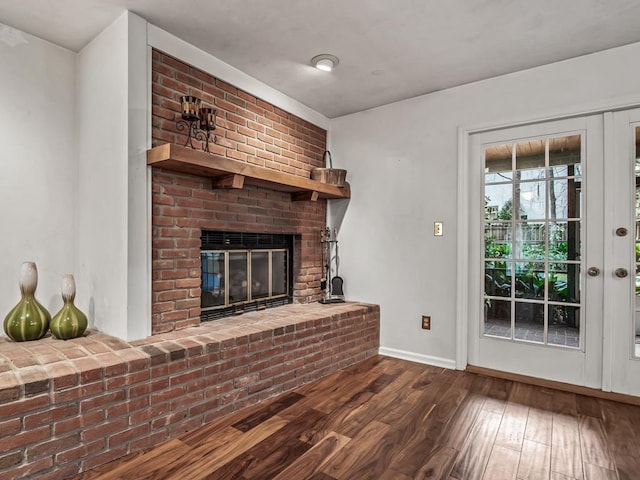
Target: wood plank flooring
x=391 y=419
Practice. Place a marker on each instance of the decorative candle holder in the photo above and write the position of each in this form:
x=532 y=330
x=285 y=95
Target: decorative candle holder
x=197 y=120
x=189 y=122
x=190 y=107
x=207 y=123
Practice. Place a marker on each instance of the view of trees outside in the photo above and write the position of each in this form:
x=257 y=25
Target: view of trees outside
x=532 y=235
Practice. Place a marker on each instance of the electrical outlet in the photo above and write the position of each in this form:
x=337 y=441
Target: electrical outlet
x=437 y=229
x=426 y=322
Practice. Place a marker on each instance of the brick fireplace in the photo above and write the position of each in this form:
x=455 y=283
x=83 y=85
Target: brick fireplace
x=70 y=406
x=249 y=130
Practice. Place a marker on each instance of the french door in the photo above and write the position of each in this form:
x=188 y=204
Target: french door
x=554 y=273
x=538 y=231
x=622 y=254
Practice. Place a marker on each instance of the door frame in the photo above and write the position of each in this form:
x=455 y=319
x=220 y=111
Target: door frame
x=464 y=133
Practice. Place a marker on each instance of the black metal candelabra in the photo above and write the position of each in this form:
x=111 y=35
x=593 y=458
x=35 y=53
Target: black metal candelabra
x=207 y=124
x=198 y=121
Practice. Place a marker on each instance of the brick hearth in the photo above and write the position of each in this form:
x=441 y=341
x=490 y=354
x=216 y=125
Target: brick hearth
x=69 y=406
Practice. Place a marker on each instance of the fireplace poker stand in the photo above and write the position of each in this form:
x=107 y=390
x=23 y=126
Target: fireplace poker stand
x=333 y=289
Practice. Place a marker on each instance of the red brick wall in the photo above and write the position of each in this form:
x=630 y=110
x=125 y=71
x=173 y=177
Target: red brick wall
x=70 y=416
x=249 y=130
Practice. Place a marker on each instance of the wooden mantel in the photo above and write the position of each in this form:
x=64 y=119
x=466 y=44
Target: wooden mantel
x=229 y=173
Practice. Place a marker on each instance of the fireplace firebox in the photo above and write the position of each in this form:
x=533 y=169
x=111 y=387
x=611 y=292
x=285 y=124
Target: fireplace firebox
x=244 y=272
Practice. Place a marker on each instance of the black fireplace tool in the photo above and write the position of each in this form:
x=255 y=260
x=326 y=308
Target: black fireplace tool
x=335 y=293
x=337 y=282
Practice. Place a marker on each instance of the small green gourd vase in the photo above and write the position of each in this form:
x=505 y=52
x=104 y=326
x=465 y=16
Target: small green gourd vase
x=28 y=320
x=69 y=322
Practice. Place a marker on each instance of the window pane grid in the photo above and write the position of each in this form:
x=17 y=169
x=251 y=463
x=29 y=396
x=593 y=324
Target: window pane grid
x=532 y=240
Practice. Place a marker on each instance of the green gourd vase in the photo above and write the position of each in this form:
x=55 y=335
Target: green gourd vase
x=28 y=320
x=69 y=322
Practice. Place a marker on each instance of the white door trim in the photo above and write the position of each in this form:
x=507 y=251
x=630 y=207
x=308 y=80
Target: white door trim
x=607 y=320
x=462 y=254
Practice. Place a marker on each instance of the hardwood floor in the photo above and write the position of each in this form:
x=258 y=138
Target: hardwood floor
x=392 y=419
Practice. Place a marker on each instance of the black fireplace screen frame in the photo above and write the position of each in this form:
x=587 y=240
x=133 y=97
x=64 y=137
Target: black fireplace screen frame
x=225 y=243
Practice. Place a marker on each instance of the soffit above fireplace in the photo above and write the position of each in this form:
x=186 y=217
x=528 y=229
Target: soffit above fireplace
x=228 y=173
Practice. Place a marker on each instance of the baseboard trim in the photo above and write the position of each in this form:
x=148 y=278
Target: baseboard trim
x=417 y=357
x=565 y=387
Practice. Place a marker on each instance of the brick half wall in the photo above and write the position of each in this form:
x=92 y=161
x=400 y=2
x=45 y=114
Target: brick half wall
x=96 y=398
x=249 y=130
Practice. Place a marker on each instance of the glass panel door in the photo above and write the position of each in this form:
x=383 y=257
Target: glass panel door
x=537 y=190
x=532 y=196
x=555 y=256
x=622 y=230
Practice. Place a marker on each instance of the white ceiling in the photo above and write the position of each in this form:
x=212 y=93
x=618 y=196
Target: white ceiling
x=388 y=49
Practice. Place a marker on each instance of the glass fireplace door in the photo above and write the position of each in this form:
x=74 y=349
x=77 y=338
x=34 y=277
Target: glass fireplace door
x=213 y=279
x=260 y=268
x=236 y=278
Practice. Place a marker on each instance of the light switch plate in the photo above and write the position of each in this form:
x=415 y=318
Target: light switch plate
x=437 y=229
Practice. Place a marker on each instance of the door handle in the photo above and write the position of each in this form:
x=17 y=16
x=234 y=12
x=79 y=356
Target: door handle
x=621 y=272
x=593 y=271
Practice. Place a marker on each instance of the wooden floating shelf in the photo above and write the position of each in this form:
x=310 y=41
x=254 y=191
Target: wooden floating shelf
x=228 y=173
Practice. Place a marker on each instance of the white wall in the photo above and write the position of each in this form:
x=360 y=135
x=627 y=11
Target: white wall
x=402 y=165
x=139 y=180
x=38 y=175
x=113 y=251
